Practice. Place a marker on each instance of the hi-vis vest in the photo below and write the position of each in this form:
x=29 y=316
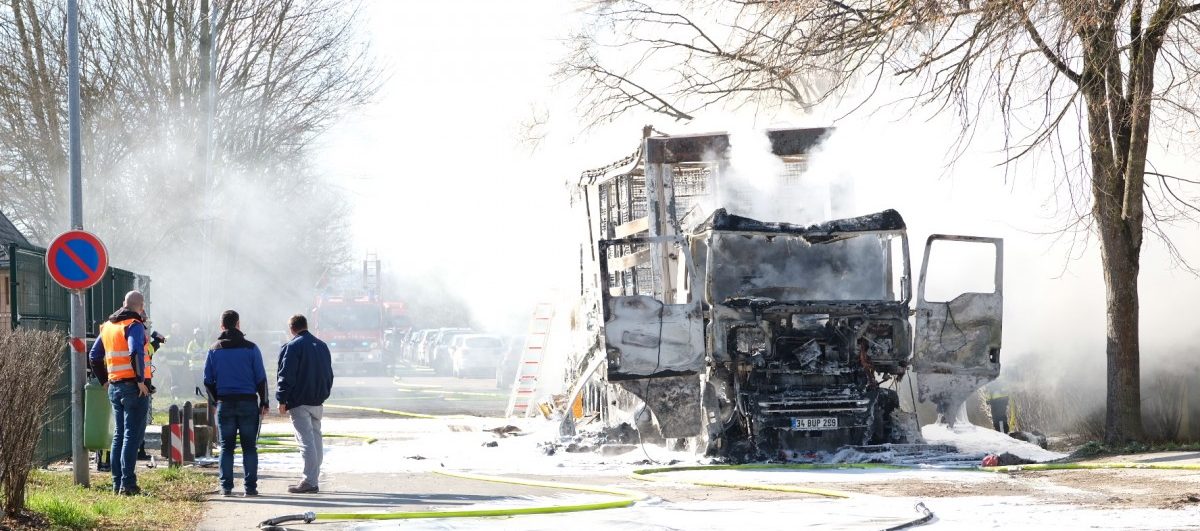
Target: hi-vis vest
x=117 y=357
x=149 y=359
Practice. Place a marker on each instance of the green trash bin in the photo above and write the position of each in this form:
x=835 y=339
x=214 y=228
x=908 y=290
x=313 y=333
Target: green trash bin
x=97 y=417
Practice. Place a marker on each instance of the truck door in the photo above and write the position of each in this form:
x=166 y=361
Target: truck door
x=646 y=333
x=958 y=320
x=654 y=341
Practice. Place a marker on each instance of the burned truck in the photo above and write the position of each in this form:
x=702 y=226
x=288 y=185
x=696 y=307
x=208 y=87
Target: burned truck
x=753 y=339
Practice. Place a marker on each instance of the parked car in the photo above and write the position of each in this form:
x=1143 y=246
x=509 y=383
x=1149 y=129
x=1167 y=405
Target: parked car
x=439 y=349
x=476 y=355
x=412 y=345
x=425 y=351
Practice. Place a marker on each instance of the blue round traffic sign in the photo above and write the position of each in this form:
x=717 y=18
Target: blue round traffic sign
x=77 y=260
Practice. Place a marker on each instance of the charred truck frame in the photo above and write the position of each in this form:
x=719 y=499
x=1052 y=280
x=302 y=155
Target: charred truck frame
x=754 y=339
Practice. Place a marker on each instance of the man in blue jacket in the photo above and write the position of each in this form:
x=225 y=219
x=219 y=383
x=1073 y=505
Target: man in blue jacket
x=234 y=376
x=305 y=378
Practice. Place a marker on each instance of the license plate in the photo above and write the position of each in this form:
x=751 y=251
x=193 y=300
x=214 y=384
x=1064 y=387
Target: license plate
x=815 y=423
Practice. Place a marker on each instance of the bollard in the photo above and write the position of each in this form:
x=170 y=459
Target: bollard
x=202 y=420
x=189 y=437
x=204 y=437
x=175 y=458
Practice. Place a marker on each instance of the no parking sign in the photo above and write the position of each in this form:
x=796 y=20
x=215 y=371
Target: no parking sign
x=77 y=260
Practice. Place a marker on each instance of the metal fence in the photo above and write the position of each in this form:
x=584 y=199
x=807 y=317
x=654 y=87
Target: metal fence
x=39 y=303
x=55 y=443
x=108 y=295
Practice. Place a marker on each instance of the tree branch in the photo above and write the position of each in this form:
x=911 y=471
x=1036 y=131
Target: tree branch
x=1165 y=176
x=1041 y=44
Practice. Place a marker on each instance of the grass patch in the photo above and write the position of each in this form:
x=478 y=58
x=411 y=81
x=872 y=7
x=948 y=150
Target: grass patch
x=63 y=513
x=172 y=499
x=1098 y=448
x=159 y=418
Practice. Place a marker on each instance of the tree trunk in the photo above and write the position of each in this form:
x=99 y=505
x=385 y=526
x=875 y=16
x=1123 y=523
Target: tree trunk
x=1118 y=140
x=1121 y=261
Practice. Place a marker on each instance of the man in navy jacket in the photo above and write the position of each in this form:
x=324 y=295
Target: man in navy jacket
x=305 y=379
x=235 y=378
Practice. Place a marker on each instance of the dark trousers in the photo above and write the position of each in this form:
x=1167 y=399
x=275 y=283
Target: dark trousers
x=129 y=411
x=999 y=408
x=239 y=418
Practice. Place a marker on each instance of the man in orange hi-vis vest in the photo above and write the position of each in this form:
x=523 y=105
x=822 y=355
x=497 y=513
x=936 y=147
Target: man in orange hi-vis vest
x=119 y=359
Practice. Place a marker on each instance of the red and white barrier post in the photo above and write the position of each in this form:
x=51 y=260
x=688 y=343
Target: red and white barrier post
x=176 y=429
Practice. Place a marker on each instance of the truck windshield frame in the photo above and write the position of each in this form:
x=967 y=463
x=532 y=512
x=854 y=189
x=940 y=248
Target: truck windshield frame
x=849 y=267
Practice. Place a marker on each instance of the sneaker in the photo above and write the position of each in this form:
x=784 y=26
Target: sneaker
x=131 y=491
x=303 y=488
x=227 y=492
x=250 y=493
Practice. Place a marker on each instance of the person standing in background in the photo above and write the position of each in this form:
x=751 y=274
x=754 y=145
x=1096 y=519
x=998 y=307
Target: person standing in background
x=305 y=378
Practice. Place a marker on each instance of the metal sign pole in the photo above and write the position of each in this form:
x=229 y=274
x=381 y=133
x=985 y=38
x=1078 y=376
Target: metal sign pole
x=79 y=460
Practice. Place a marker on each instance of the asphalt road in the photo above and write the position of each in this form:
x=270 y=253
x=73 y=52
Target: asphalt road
x=417 y=390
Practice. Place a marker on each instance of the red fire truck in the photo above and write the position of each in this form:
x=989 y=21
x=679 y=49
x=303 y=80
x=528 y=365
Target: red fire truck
x=353 y=328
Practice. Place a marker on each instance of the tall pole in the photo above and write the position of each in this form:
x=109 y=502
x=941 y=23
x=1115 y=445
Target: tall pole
x=79 y=460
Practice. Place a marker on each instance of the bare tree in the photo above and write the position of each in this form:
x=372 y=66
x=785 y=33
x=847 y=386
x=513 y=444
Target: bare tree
x=1090 y=73
x=36 y=355
x=285 y=70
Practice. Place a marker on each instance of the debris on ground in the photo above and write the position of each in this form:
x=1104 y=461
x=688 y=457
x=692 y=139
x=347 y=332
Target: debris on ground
x=1032 y=437
x=507 y=431
x=1184 y=502
x=576 y=448
x=617 y=449
x=1004 y=459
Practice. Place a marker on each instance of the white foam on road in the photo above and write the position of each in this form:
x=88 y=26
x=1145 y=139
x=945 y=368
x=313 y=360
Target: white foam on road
x=422 y=445
x=417 y=445
x=972 y=439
